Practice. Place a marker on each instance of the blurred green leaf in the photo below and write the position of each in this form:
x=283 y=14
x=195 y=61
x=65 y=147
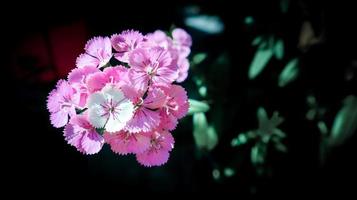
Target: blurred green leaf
x=203 y=91
x=198 y=58
x=257 y=154
x=279 y=49
x=281 y=147
x=322 y=127
x=197 y=106
x=241 y=139
x=257 y=40
x=228 y=172
x=289 y=73
x=205 y=136
x=345 y=122
x=216 y=174
x=249 y=20
x=260 y=60
x=310 y=115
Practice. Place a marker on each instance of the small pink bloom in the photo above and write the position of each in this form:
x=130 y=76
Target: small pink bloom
x=80 y=134
x=146 y=116
x=177 y=101
x=98 y=53
x=153 y=66
x=182 y=41
x=123 y=142
x=62 y=102
x=77 y=79
x=183 y=66
x=109 y=109
x=161 y=143
x=117 y=75
x=125 y=42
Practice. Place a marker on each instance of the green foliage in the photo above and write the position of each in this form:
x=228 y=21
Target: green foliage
x=204 y=134
x=289 y=73
x=345 y=122
x=197 y=106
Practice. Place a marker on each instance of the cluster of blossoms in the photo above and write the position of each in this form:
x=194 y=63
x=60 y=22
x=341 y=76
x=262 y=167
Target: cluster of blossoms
x=131 y=106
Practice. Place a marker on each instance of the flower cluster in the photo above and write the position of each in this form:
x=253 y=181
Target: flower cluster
x=131 y=106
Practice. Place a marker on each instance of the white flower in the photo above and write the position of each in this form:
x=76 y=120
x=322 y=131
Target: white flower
x=109 y=109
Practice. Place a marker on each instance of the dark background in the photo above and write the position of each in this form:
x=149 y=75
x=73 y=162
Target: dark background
x=41 y=45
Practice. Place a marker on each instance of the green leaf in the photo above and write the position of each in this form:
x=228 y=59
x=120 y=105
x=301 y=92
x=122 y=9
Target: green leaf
x=241 y=139
x=198 y=58
x=216 y=174
x=281 y=147
x=259 y=62
x=203 y=91
x=197 y=106
x=257 y=154
x=279 y=49
x=284 y=5
x=228 y=172
x=205 y=136
x=345 y=122
x=289 y=73
x=249 y=20
x=322 y=127
x=257 y=40
x=80 y=111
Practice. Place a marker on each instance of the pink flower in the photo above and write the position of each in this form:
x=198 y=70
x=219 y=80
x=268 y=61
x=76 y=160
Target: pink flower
x=123 y=142
x=125 y=42
x=183 y=66
x=154 y=66
x=98 y=53
x=109 y=109
x=158 y=38
x=161 y=143
x=77 y=79
x=62 y=102
x=147 y=117
x=80 y=134
x=175 y=107
x=117 y=75
x=182 y=41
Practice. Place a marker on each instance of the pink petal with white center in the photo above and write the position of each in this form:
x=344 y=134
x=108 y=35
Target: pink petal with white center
x=144 y=120
x=156 y=98
x=126 y=42
x=85 y=60
x=165 y=76
x=124 y=142
x=139 y=58
x=161 y=56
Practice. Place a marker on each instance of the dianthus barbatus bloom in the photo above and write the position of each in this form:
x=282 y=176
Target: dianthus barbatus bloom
x=98 y=52
x=109 y=109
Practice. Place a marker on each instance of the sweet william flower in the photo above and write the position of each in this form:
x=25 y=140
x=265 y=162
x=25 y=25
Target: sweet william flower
x=109 y=109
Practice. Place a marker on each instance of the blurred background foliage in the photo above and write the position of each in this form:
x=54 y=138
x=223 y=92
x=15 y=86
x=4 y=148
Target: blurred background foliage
x=272 y=88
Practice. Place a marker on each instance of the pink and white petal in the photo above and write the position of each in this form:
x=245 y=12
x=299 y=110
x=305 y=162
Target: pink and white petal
x=160 y=55
x=96 y=99
x=182 y=37
x=97 y=116
x=144 y=120
x=79 y=74
x=118 y=121
x=156 y=98
x=92 y=142
x=139 y=58
x=59 y=119
x=53 y=99
x=165 y=76
x=85 y=60
x=139 y=143
x=152 y=158
x=139 y=79
x=96 y=81
x=98 y=45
